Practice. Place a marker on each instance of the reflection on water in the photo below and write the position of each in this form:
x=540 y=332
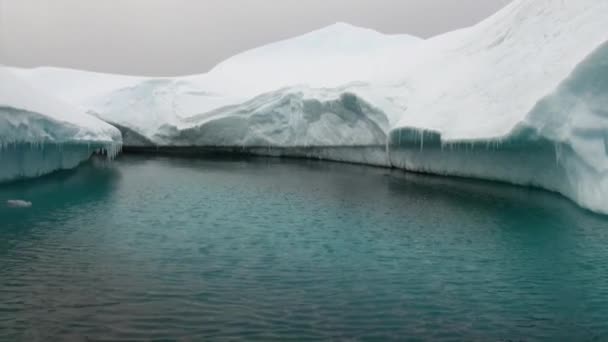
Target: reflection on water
x=73 y=190
x=269 y=250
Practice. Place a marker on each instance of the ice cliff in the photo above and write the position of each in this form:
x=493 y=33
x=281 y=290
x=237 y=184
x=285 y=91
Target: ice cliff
x=520 y=97
x=39 y=134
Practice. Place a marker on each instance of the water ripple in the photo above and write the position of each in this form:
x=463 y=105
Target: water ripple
x=195 y=250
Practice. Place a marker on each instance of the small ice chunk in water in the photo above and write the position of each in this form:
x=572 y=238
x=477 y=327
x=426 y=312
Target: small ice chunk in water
x=18 y=204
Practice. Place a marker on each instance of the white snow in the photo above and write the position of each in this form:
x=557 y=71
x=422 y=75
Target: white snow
x=481 y=81
x=519 y=97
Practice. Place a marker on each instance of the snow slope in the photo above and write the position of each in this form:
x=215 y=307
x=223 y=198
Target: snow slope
x=481 y=81
x=39 y=134
x=325 y=58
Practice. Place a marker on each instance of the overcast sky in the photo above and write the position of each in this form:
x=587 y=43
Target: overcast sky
x=176 y=37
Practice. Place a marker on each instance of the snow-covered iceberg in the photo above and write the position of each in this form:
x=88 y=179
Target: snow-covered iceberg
x=39 y=134
x=327 y=59
x=519 y=97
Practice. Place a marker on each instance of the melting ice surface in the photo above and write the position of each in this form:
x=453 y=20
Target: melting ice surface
x=519 y=98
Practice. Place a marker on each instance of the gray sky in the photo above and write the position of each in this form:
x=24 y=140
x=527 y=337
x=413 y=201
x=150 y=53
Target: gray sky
x=175 y=37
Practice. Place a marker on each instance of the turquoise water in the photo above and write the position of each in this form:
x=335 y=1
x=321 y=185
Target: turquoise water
x=263 y=249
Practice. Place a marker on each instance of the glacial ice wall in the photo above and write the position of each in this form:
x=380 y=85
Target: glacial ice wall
x=519 y=98
x=33 y=143
x=561 y=145
x=575 y=116
x=29 y=160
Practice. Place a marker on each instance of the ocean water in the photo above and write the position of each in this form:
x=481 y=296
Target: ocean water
x=266 y=249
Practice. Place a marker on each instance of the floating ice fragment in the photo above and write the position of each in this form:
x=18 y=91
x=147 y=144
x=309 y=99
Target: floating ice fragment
x=18 y=204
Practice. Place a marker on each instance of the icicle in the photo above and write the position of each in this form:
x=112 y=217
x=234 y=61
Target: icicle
x=387 y=151
x=421 y=141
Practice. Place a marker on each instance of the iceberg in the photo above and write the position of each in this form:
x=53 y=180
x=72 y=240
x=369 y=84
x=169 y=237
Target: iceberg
x=39 y=134
x=519 y=98
x=18 y=204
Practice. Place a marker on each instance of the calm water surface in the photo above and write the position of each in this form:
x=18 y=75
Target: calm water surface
x=177 y=249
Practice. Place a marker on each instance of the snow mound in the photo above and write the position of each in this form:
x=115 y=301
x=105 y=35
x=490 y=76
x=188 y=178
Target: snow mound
x=290 y=117
x=39 y=134
x=328 y=57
